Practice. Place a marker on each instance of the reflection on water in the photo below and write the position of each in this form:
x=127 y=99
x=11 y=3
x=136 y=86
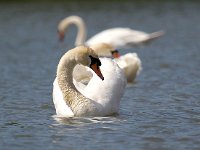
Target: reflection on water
x=75 y=121
x=160 y=111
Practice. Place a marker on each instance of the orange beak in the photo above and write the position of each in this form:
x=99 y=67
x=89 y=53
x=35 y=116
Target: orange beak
x=97 y=70
x=61 y=35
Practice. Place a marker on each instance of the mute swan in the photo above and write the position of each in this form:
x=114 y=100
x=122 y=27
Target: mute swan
x=130 y=63
x=100 y=97
x=118 y=37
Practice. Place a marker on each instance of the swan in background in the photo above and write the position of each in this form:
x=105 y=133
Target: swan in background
x=130 y=63
x=117 y=37
x=100 y=97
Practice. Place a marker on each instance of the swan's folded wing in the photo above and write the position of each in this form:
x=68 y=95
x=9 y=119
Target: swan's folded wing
x=131 y=65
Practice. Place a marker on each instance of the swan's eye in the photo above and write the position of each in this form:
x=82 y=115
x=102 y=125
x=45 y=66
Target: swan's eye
x=95 y=61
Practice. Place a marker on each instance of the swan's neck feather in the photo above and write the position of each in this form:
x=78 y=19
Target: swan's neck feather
x=81 y=35
x=80 y=105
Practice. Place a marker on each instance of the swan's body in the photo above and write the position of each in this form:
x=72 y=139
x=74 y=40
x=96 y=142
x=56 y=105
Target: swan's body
x=108 y=92
x=62 y=109
x=123 y=37
x=98 y=98
x=118 y=37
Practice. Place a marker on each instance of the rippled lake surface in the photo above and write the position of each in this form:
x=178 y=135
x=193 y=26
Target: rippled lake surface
x=161 y=111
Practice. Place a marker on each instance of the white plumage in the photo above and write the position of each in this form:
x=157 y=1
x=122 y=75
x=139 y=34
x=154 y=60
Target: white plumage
x=118 y=37
x=105 y=94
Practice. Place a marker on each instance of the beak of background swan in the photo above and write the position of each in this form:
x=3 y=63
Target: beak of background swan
x=97 y=70
x=61 y=35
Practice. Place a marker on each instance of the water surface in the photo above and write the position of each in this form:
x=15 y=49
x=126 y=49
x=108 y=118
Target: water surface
x=160 y=111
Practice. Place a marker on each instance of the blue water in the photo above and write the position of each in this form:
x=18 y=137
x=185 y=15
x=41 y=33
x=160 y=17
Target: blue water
x=161 y=111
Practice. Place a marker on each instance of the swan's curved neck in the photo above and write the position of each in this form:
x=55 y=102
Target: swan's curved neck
x=79 y=23
x=74 y=99
x=81 y=35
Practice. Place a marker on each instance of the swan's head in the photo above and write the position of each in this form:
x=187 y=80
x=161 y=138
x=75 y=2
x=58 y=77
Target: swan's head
x=62 y=26
x=106 y=50
x=87 y=57
x=65 y=23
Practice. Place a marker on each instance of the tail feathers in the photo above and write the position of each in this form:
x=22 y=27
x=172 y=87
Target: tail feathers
x=156 y=34
x=146 y=40
x=153 y=36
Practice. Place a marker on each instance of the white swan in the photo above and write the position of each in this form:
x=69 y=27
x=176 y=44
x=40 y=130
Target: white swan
x=99 y=97
x=130 y=63
x=117 y=37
